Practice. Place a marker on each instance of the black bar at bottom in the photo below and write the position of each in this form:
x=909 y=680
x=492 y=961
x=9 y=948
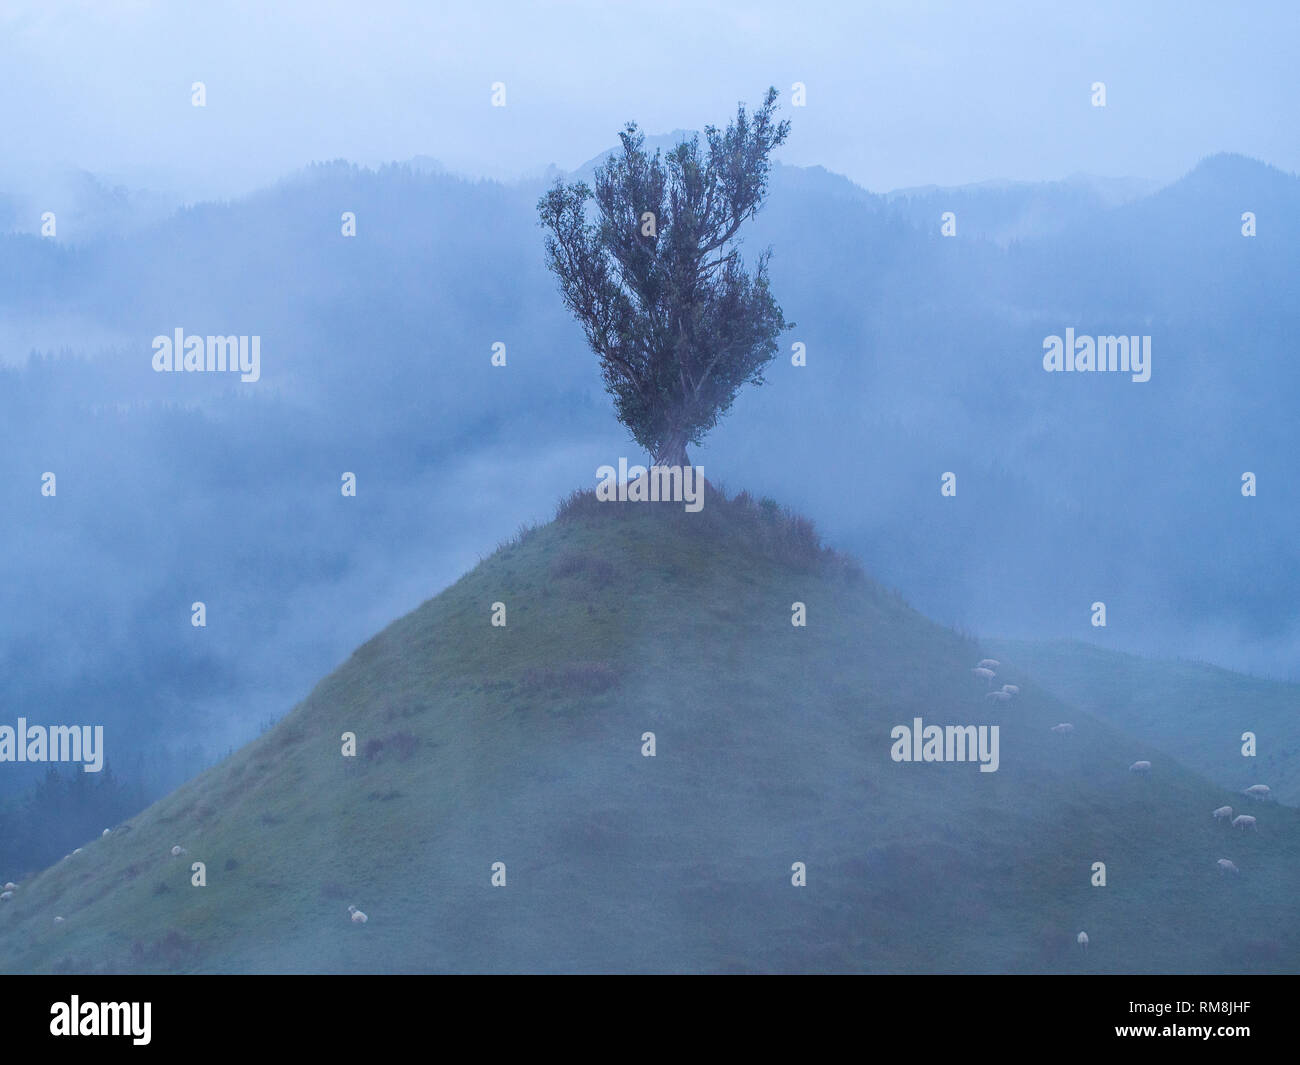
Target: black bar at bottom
x=340 y=1013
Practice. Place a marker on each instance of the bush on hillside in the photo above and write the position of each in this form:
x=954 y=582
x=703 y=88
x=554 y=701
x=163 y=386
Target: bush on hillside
x=599 y=572
x=400 y=745
x=762 y=526
x=574 y=678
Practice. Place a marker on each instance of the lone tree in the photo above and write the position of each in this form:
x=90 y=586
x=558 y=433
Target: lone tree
x=657 y=281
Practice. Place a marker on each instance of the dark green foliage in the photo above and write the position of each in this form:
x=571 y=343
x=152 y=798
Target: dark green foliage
x=599 y=572
x=400 y=745
x=572 y=678
x=678 y=323
x=763 y=528
x=64 y=811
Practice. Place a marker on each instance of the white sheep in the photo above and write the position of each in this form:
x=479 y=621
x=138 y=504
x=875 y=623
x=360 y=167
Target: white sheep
x=1226 y=866
x=58 y=920
x=1064 y=728
x=10 y=886
x=1001 y=697
x=1257 y=791
x=987 y=674
x=1244 y=821
x=357 y=916
x=1082 y=940
x=77 y=851
x=177 y=851
x=1140 y=767
x=1011 y=689
x=105 y=832
x=989 y=663
x=5 y=896
x=1222 y=813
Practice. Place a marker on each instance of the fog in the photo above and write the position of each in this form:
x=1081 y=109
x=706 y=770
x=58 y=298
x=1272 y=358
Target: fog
x=924 y=354
x=899 y=93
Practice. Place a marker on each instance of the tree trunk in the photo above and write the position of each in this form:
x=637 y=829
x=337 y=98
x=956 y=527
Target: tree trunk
x=672 y=451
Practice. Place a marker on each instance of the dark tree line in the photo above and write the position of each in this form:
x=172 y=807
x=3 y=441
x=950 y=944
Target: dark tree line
x=64 y=811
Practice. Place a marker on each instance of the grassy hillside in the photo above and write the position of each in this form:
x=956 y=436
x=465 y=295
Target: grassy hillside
x=1195 y=712
x=522 y=744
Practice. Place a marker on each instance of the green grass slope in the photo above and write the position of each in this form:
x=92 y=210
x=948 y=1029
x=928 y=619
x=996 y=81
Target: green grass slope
x=1197 y=713
x=523 y=744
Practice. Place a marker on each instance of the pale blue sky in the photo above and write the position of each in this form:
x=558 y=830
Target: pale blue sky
x=899 y=93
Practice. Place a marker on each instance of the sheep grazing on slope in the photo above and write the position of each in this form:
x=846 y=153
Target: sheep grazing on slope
x=989 y=663
x=357 y=916
x=1244 y=821
x=106 y=832
x=58 y=920
x=1223 y=813
x=1258 y=791
x=177 y=851
x=1226 y=866
x=1082 y=940
x=987 y=674
x=1064 y=728
x=5 y=896
x=10 y=886
x=1011 y=689
x=1140 y=767
x=1001 y=697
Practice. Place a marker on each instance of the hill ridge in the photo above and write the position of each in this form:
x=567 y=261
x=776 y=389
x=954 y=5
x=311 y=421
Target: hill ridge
x=523 y=744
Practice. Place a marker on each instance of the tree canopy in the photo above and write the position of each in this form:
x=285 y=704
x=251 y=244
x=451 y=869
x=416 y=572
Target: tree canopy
x=657 y=282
